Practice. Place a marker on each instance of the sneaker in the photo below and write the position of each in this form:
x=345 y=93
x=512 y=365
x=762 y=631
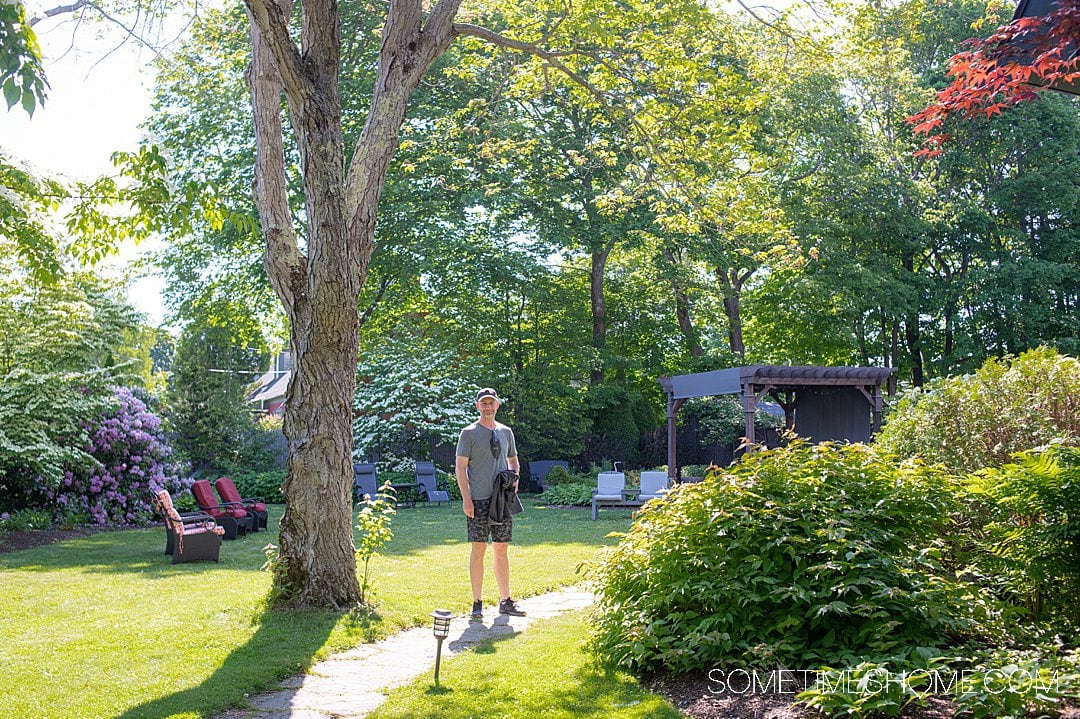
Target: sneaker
x=477 y=610
x=509 y=606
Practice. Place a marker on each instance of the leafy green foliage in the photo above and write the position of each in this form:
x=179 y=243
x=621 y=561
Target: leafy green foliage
x=374 y=532
x=723 y=420
x=975 y=421
x=25 y=519
x=1016 y=683
x=21 y=74
x=25 y=201
x=568 y=493
x=212 y=369
x=408 y=391
x=1031 y=543
x=995 y=683
x=871 y=688
x=265 y=484
x=63 y=346
x=132 y=461
x=793 y=557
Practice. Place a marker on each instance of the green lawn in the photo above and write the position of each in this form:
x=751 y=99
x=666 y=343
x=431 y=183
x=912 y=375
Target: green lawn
x=106 y=627
x=547 y=671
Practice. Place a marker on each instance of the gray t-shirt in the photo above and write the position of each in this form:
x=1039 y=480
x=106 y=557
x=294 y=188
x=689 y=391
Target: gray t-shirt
x=474 y=442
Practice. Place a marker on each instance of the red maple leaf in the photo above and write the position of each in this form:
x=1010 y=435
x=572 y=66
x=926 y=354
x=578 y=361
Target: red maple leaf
x=1000 y=71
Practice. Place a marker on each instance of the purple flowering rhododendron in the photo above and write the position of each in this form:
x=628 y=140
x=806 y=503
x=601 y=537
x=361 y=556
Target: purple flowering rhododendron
x=136 y=463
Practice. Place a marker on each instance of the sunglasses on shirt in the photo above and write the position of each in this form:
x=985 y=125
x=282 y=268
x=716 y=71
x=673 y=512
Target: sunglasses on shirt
x=496 y=447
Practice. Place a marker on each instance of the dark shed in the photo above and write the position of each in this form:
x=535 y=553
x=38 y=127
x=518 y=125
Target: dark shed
x=820 y=403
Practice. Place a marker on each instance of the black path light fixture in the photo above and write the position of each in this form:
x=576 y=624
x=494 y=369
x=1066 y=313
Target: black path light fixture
x=441 y=629
x=1042 y=8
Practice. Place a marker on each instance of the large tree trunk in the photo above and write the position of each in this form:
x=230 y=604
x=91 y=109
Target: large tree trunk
x=319 y=289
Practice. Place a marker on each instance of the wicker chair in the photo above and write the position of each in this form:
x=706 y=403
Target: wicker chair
x=190 y=537
x=232 y=517
x=254 y=506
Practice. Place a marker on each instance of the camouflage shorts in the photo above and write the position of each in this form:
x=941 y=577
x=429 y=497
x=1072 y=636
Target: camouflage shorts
x=481 y=528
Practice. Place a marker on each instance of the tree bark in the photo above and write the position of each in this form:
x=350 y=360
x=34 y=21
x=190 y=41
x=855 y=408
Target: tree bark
x=320 y=289
x=731 y=283
x=599 y=311
x=682 y=310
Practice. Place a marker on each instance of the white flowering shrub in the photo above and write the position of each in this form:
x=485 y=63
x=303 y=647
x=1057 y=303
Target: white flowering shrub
x=407 y=392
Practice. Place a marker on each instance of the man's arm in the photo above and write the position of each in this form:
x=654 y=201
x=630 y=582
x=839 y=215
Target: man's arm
x=515 y=467
x=461 y=474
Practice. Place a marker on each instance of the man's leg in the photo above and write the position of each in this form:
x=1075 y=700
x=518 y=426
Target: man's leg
x=476 y=568
x=502 y=568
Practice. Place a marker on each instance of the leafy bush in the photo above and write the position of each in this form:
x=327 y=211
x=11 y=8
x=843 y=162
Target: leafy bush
x=25 y=519
x=999 y=683
x=723 y=419
x=1011 y=683
x=373 y=525
x=260 y=484
x=694 y=470
x=409 y=389
x=561 y=475
x=976 y=421
x=132 y=461
x=1032 y=540
x=793 y=557
x=578 y=494
x=43 y=429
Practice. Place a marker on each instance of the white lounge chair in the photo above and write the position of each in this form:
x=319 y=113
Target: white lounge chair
x=654 y=485
x=610 y=489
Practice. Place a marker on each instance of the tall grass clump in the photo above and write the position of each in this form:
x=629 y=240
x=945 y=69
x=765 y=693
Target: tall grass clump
x=796 y=557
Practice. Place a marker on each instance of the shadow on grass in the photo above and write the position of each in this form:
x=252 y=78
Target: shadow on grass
x=137 y=551
x=283 y=645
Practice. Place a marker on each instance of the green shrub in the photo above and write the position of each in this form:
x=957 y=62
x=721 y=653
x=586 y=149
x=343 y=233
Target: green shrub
x=578 y=494
x=560 y=475
x=976 y=421
x=373 y=525
x=1009 y=684
x=793 y=557
x=1031 y=544
x=999 y=683
x=694 y=470
x=260 y=484
x=25 y=519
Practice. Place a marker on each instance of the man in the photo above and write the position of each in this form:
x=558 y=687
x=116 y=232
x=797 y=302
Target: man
x=484 y=449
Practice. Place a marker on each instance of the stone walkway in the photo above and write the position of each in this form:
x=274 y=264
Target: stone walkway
x=351 y=684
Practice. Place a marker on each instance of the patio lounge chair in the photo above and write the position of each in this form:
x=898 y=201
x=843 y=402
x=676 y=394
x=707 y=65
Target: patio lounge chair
x=190 y=537
x=538 y=472
x=428 y=484
x=255 y=506
x=233 y=518
x=654 y=485
x=611 y=490
x=365 y=480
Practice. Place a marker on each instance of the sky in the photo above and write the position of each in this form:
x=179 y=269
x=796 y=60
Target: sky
x=94 y=107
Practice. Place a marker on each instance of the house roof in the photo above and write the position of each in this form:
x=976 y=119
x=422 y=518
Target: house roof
x=731 y=381
x=270 y=385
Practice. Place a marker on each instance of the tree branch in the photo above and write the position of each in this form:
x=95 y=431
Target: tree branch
x=273 y=25
x=286 y=266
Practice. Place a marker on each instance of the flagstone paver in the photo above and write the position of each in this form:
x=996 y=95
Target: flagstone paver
x=351 y=684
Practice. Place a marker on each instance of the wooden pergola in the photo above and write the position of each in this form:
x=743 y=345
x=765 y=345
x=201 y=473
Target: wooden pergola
x=820 y=403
